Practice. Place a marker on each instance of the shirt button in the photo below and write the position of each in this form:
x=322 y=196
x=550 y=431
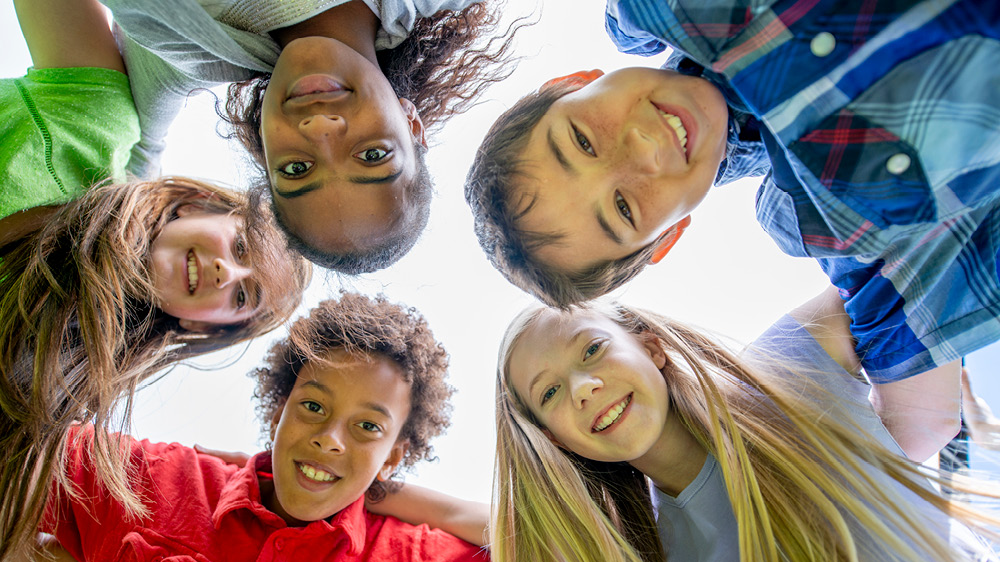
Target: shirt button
x=822 y=44
x=279 y=544
x=897 y=164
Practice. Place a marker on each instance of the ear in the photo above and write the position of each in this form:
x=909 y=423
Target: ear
x=395 y=457
x=654 y=347
x=670 y=237
x=196 y=325
x=416 y=124
x=276 y=418
x=553 y=439
x=576 y=80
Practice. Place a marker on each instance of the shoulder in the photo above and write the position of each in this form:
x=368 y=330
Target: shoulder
x=388 y=537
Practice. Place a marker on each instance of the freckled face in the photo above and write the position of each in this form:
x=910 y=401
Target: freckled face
x=596 y=388
x=617 y=162
x=337 y=431
x=339 y=145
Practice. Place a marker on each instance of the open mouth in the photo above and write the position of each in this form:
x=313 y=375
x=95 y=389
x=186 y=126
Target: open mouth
x=192 y=271
x=315 y=474
x=677 y=126
x=611 y=416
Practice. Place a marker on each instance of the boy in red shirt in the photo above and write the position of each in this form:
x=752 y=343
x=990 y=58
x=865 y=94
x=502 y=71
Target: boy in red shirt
x=355 y=391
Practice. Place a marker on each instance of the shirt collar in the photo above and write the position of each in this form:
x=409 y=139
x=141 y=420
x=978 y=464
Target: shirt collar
x=746 y=154
x=243 y=492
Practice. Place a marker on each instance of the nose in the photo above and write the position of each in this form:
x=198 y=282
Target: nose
x=226 y=272
x=640 y=152
x=582 y=387
x=317 y=128
x=329 y=437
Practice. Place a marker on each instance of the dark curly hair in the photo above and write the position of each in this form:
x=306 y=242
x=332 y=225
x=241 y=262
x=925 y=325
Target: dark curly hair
x=363 y=325
x=498 y=206
x=440 y=68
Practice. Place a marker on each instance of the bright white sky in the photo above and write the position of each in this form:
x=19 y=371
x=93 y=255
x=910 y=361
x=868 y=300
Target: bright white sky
x=725 y=275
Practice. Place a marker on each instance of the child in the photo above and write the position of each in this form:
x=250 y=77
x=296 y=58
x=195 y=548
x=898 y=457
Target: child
x=778 y=456
x=355 y=392
x=101 y=287
x=338 y=130
x=878 y=133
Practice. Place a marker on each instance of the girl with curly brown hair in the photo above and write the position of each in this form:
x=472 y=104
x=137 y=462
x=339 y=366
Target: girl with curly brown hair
x=331 y=98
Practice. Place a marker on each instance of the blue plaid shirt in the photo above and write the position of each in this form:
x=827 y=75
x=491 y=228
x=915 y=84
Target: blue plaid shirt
x=881 y=120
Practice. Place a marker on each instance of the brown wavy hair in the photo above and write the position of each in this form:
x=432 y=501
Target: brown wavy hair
x=498 y=205
x=363 y=325
x=79 y=331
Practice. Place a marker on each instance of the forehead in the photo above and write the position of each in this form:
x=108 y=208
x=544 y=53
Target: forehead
x=549 y=332
x=359 y=378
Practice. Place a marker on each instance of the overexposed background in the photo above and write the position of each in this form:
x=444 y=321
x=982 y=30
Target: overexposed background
x=726 y=275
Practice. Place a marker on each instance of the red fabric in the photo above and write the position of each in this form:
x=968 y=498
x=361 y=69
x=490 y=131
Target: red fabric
x=206 y=510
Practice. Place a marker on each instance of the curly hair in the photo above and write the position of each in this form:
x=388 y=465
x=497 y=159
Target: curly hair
x=442 y=67
x=498 y=207
x=362 y=325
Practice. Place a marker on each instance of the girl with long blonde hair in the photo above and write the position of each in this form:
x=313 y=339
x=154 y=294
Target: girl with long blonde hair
x=607 y=416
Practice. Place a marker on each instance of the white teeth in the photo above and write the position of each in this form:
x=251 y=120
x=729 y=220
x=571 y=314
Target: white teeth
x=678 y=126
x=612 y=415
x=315 y=474
x=192 y=272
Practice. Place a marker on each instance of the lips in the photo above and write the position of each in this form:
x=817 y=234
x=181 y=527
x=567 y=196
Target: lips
x=680 y=124
x=192 y=271
x=315 y=476
x=611 y=416
x=315 y=87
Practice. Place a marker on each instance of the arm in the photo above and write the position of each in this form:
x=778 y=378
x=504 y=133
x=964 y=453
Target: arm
x=466 y=520
x=922 y=413
x=68 y=33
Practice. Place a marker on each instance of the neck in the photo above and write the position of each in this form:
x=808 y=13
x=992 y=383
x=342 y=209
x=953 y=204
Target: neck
x=675 y=460
x=353 y=24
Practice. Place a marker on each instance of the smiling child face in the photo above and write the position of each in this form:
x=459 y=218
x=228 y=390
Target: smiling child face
x=337 y=432
x=617 y=162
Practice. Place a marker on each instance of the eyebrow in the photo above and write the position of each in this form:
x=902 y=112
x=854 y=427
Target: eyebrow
x=560 y=157
x=374 y=406
x=606 y=227
x=308 y=188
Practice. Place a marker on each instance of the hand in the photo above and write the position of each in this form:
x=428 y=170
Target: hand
x=238 y=458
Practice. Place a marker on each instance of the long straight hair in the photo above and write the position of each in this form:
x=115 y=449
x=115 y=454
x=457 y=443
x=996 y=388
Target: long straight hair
x=79 y=331
x=795 y=483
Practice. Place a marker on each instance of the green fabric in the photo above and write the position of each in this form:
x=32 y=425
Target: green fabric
x=61 y=131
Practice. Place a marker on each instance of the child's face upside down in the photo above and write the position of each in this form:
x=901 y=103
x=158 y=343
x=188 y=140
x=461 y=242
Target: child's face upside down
x=615 y=163
x=336 y=433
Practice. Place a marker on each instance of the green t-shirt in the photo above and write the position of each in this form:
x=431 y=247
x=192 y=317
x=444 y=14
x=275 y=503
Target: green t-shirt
x=61 y=131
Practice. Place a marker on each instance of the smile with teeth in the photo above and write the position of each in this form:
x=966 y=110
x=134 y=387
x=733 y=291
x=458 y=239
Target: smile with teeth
x=192 y=272
x=678 y=126
x=612 y=415
x=316 y=474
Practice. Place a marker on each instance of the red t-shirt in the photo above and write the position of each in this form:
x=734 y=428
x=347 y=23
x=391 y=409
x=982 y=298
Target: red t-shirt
x=206 y=510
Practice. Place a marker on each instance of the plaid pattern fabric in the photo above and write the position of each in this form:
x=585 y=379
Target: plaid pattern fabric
x=882 y=123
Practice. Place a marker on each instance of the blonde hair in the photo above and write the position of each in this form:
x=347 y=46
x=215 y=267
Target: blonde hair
x=794 y=483
x=79 y=331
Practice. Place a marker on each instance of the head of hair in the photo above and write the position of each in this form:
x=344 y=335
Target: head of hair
x=365 y=326
x=794 y=483
x=79 y=329
x=493 y=190
x=440 y=67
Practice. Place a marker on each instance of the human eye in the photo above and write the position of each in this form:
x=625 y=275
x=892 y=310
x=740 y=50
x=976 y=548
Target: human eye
x=371 y=427
x=295 y=169
x=592 y=349
x=239 y=247
x=372 y=155
x=241 y=297
x=312 y=407
x=623 y=208
x=549 y=393
x=583 y=141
